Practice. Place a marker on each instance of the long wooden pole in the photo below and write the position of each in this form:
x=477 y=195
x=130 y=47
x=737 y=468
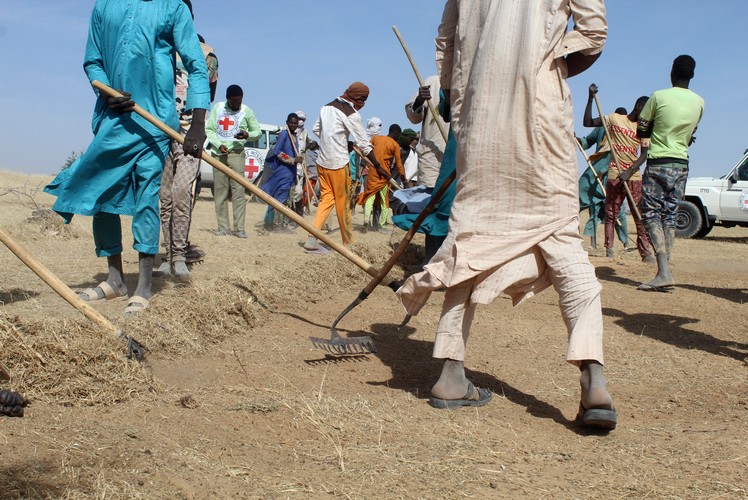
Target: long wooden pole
x=421 y=83
x=614 y=155
x=348 y=254
x=56 y=283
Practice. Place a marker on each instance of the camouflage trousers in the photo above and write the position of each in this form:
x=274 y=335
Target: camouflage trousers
x=662 y=188
x=177 y=199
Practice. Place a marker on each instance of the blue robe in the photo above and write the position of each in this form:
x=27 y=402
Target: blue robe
x=131 y=47
x=283 y=176
x=437 y=223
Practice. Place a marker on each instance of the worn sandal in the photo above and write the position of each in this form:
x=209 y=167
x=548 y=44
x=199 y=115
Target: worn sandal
x=484 y=396
x=597 y=418
x=135 y=306
x=653 y=288
x=109 y=294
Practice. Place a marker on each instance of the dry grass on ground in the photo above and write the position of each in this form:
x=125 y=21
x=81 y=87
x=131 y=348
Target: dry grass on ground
x=233 y=400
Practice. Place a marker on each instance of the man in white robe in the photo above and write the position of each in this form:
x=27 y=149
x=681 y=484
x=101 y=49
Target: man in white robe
x=514 y=224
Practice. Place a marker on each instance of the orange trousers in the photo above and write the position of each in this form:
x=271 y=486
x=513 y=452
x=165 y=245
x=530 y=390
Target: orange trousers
x=335 y=192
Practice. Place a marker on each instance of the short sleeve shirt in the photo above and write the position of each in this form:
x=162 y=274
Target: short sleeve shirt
x=626 y=144
x=673 y=115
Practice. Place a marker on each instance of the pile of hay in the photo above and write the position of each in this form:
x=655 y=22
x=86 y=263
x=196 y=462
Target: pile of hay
x=68 y=362
x=74 y=362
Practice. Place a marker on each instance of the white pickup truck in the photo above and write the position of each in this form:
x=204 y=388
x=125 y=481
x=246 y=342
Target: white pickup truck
x=710 y=202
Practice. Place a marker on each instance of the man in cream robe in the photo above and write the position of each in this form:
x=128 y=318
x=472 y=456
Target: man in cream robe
x=514 y=224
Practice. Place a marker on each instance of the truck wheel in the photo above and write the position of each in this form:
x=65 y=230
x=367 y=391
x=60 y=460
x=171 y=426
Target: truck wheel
x=688 y=221
x=703 y=232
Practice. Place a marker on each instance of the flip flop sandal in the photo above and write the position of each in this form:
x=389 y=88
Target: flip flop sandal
x=321 y=250
x=652 y=288
x=135 y=306
x=109 y=294
x=484 y=396
x=597 y=418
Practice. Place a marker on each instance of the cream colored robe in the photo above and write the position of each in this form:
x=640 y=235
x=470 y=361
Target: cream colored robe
x=512 y=116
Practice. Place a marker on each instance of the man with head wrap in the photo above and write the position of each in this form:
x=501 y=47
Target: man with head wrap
x=373 y=127
x=337 y=120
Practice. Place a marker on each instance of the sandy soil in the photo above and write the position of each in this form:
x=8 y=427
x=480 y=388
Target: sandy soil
x=234 y=401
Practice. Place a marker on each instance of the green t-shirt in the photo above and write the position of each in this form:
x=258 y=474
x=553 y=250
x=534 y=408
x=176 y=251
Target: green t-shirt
x=672 y=115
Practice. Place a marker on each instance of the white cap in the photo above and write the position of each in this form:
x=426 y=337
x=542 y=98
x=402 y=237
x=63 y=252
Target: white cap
x=301 y=115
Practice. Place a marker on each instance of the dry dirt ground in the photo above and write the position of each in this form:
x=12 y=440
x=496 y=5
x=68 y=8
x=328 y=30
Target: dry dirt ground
x=234 y=401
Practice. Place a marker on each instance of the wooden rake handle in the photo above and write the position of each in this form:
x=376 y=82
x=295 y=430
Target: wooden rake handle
x=614 y=155
x=421 y=83
x=56 y=283
x=589 y=165
x=435 y=198
x=358 y=261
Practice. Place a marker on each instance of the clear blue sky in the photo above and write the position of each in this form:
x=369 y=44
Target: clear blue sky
x=299 y=54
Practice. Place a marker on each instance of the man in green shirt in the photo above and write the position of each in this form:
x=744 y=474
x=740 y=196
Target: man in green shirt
x=669 y=120
x=230 y=124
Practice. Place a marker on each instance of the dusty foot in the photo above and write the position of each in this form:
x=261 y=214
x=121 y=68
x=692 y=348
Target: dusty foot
x=180 y=269
x=452 y=383
x=165 y=268
x=660 y=281
x=594 y=391
x=311 y=243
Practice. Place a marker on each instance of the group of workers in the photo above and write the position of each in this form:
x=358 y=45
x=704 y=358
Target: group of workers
x=503 y=65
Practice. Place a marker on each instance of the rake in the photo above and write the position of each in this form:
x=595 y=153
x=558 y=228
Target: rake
x=134 y=348
x=362 y=345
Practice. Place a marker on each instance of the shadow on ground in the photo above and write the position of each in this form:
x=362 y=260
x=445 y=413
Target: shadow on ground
x=414 y=370
x=670 y=330
x=16 y=295
x=30 y=480
x=738 y=295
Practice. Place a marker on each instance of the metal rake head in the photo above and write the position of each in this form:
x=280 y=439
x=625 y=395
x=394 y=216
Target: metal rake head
x=135 y=350
x=341 y=347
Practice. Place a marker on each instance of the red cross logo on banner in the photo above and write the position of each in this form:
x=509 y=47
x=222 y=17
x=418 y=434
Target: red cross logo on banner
x=251 y=168
x=226 y=123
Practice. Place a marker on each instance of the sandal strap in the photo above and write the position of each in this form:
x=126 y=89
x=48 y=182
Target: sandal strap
x=91 y=294
x=109 y=292
x=137 y=299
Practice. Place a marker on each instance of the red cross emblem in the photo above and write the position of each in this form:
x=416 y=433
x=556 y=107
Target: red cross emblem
x=251 y=168
x=226 y=123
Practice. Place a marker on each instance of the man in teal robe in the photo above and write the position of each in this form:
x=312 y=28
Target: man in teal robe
x=132 y=46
